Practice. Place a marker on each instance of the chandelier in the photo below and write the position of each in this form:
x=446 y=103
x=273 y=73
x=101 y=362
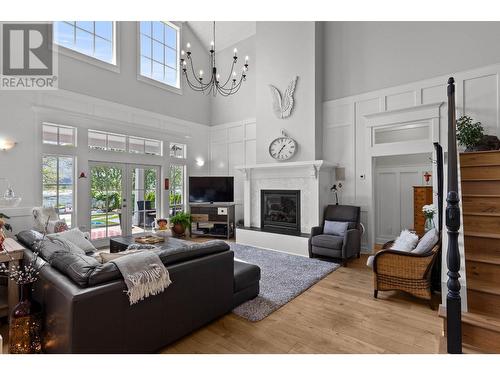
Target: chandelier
x=213 y=84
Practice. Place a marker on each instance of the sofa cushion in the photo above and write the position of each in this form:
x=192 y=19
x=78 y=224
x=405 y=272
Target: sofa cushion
x=77 y=237
x=336 y=228
x=77 y=267
x=27 y=238
x=328 y=241
x=172 y=252
x=245 y=275
x=427 y=242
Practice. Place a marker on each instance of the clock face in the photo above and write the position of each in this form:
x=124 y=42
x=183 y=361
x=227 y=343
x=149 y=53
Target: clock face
x=282 y=148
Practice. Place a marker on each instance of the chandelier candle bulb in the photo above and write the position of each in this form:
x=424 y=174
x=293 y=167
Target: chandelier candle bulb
x=235 y=51
x=246 y=59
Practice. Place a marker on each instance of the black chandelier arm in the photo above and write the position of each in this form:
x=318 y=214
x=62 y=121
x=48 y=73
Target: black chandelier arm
x=235 y=87
x=230 y=74
x=196 y=87
x=200 y=84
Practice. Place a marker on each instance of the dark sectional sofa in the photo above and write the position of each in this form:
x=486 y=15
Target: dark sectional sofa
x=87 y=311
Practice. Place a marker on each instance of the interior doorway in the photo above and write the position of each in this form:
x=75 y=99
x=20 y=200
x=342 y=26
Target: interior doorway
x=395 y=178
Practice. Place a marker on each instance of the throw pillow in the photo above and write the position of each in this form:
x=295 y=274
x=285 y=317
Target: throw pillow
x=77 y=237
x=108 y=257
x=335 y=228
x=427 y=242
x=406 y=241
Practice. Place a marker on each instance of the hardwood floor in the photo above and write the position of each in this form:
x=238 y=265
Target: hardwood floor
x=337 y=315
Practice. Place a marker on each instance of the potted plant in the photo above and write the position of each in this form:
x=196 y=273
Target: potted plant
x=469 y=133
x=179 y=223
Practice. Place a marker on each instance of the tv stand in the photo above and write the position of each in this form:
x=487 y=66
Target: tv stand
x=212 y=219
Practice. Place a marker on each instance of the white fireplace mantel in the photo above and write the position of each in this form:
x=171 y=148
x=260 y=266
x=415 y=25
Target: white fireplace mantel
x=315 y=166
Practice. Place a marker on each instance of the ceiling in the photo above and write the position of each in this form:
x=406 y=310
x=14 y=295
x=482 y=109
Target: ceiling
x=227 y=33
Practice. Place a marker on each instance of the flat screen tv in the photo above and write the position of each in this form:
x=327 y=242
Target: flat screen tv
x=211 y=189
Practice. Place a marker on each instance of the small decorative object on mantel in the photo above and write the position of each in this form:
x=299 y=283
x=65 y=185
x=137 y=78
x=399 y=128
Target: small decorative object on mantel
x=25 y=327
x=429 y=211
x=283 y=148
x=283 y=105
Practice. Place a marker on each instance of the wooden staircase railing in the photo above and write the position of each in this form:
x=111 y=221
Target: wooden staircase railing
x=453 y=299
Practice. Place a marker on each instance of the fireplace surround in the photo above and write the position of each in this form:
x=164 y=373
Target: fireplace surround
x=280 y=211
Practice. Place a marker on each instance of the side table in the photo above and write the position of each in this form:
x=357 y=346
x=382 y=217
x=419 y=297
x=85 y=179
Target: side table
x=16 y=252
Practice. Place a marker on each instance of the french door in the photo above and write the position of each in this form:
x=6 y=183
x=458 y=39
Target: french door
x=124 y=199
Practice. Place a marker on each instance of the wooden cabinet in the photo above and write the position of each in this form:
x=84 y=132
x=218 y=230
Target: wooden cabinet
x=212 y=220
x=422 y=195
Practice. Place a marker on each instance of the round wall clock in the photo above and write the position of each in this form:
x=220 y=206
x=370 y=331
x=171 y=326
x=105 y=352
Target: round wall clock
x=282 y=148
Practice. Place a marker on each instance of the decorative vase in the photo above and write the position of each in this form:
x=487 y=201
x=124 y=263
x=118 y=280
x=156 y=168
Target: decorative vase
x=26 y=324
x=178 y=230
x=429 y=224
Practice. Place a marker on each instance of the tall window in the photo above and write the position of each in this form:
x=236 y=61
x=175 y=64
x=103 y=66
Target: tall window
x=177 y=191
x=58 y=183
x=92 y=38
x=159 y=52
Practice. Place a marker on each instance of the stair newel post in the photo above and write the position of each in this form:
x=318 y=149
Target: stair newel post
x=453 y=299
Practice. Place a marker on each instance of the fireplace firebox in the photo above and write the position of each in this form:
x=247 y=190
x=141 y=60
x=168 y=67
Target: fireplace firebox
x=280 y=211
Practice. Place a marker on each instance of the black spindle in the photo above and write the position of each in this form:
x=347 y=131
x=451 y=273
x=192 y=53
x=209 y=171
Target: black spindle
x=453 y=300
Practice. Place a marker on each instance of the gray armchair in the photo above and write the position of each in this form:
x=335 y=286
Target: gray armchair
x=343 y=248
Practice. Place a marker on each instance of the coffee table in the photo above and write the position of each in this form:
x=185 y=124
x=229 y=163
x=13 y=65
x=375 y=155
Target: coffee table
x=121 y=243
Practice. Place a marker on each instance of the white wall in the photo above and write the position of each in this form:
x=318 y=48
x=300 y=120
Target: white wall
x=239 y=106
x=365 y=56
x=233 y=144
x=124 y=87
x=286 y=50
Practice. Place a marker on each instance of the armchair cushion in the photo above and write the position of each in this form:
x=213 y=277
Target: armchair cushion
x=427 y=242
x=336 y=228
x=406 y=241
x=329 y=241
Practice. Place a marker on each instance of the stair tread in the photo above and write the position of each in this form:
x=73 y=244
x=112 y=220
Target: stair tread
x=469 y=349
x=482 y=234
x=481 y=165
x=482 y=258
x=484 y=286
x=478 y=320
x=465 y=154
x=478 y=213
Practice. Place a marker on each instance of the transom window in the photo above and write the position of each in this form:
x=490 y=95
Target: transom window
x=92 y=38
x=178 y=150
x=159 y=52
x=59 y=135
x=99 y=140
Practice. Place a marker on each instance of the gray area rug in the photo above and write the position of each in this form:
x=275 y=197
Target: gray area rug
x=283 y=277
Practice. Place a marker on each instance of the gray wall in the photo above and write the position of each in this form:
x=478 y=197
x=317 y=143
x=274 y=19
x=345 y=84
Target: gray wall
x=240 y=106
x=124 y=88
x=366 y=56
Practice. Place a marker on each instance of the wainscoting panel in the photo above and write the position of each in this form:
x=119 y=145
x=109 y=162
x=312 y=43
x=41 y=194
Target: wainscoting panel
x=233 y=144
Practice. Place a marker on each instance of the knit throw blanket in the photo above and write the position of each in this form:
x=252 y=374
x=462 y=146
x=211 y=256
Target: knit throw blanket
x=144 y=274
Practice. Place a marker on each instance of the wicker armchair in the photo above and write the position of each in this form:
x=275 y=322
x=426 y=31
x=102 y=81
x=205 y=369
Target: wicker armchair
x=408 y=272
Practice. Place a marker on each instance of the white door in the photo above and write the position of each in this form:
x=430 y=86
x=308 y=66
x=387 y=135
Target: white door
x=124 y=199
